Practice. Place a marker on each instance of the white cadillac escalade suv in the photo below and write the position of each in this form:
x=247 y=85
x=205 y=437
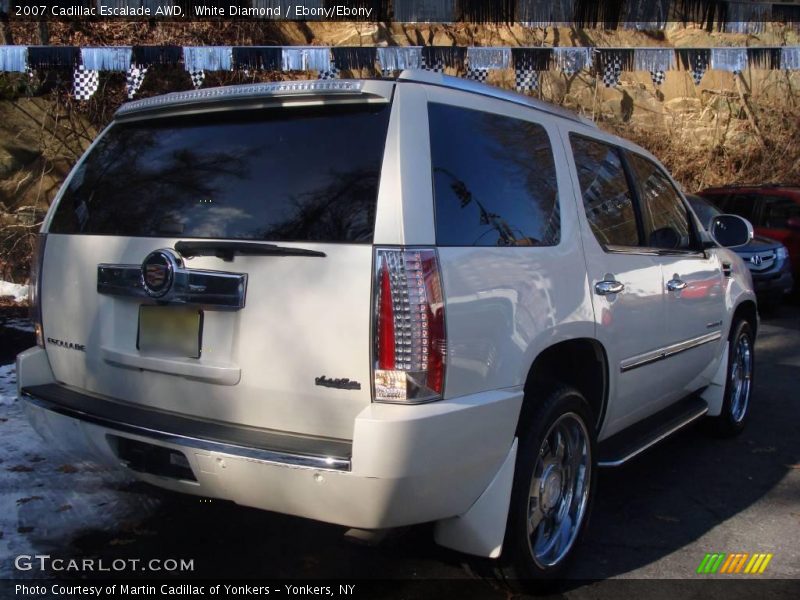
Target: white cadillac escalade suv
x=382 y=303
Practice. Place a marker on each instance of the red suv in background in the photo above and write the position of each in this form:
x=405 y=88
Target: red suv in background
x=773 y=209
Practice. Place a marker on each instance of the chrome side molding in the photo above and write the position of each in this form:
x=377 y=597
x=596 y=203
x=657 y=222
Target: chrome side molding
x=662 y=353
x=212 y=290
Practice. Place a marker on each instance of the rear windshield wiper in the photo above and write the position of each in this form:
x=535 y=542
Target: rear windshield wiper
x=227 y=249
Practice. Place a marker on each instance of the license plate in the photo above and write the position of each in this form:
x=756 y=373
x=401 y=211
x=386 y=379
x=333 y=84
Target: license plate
x=170 y=331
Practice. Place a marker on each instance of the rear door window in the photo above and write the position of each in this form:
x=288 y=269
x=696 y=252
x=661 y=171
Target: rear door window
x=295 y=174
x=607 y=197
x=494 y=180
x=664 y=215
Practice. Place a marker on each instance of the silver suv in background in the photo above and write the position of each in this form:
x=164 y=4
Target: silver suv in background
x=383 y=303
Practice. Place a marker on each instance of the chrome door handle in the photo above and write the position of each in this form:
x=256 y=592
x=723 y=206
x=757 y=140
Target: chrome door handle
x=606 y=287
x=673 y=285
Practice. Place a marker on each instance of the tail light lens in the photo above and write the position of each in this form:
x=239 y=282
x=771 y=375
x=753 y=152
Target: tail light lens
x=35 y=288
x=409 y=326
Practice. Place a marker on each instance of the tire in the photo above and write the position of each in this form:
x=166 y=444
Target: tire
x=738 y=382
x=559 y=491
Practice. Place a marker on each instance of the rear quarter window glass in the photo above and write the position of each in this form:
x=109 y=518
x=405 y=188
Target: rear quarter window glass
x=743 y=205
x=607 y=198
x=494 y=180
x=296 y=174
x=778 y=210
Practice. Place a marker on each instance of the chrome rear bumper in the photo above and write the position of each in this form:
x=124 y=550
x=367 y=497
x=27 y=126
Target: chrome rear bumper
x=244 y=442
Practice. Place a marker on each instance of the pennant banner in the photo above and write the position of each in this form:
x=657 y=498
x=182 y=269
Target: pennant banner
x=134 y=80
x=85 y=83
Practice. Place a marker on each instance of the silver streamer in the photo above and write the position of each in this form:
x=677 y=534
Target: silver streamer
x=14 y=58
x=571 y=60
x=309 y=58
x=747 y=17
x=397 y=58
x=653 y=59
x=207 y=58
x=790 y=58
x=107 y=59
x=488 y=58
x=729 y=59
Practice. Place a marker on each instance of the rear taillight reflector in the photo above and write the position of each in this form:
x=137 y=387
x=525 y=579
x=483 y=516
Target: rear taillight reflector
x=409 y=326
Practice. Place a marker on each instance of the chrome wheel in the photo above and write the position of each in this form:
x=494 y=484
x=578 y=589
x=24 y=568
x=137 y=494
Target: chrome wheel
x=741 y=377
x=559 y=492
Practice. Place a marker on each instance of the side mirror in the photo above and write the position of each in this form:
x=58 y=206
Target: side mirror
x=731 y=231
x=793 y=223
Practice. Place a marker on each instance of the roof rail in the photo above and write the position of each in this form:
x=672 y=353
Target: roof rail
x=248 y=91
x=482 y=89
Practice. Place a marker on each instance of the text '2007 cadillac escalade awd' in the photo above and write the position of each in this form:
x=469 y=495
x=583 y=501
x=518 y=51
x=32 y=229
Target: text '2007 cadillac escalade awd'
x=383 y=303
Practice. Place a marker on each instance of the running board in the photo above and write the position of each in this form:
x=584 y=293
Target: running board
x=622 y=447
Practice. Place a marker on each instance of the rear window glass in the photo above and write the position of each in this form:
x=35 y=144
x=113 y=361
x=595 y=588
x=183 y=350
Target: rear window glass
x=494 y=180
x=299 y=174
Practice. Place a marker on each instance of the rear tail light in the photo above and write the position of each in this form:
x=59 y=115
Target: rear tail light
x=409 y=326
x=35 y=288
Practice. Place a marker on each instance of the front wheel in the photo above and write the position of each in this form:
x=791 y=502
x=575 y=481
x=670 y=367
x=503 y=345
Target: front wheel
x=738 y=382
x=554 y=483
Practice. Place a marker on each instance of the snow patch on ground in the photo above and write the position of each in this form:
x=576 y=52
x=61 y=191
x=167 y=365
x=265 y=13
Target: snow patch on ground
x=47 y=497
x=8 y=386
x=18 y=291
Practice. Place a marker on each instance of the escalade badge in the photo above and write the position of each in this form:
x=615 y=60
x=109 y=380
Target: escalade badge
x=342 y=384
x=158 y=272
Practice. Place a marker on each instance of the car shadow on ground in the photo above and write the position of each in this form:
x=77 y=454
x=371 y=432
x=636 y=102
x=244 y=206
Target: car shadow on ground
x=659 y=505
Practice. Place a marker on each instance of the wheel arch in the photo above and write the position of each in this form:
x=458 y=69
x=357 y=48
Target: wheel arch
x=579 y=362
x=748 y=311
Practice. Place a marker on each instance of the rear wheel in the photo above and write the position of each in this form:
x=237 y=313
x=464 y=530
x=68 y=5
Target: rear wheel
x=554 y=483
x=738 y=382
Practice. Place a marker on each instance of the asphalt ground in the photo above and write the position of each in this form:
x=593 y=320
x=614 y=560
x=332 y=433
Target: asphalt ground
x=653 y=521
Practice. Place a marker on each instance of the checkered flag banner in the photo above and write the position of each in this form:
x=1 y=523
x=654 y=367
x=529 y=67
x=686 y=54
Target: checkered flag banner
x=134 y=80
x=477 y=74
x=84 y=83
x=699 y=68
x=437 y=66
x=612 y=72
x=526 y=79
x=198 y=77
x=658 y=76
x=332 y=72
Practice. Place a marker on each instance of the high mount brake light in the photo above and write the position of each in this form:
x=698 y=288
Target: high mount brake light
x=409 y=326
